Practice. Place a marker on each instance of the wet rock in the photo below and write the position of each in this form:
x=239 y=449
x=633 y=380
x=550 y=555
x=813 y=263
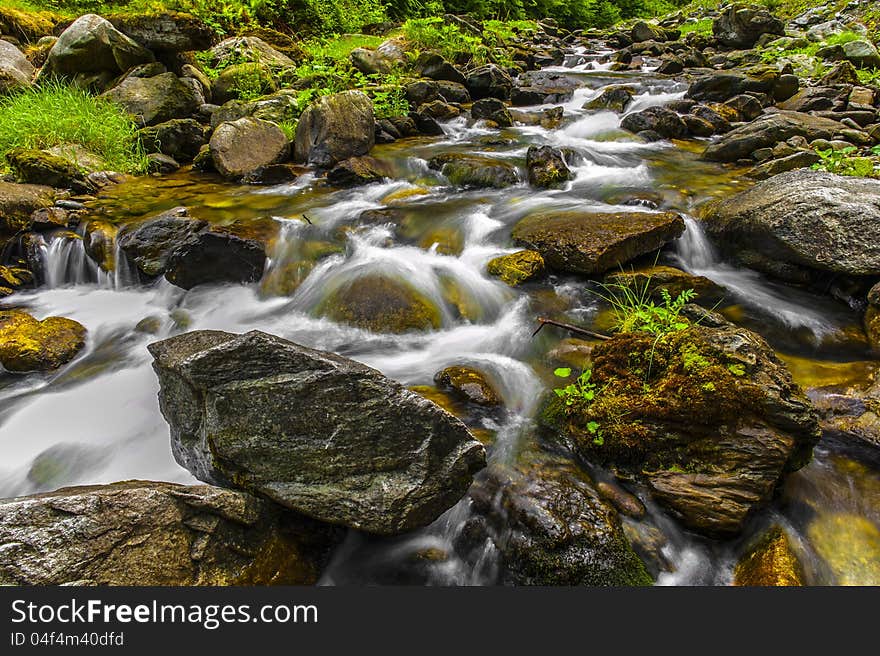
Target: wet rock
x=551 y=528
x=453 y=92
x=769 y=130
x=156 y=99
x=439 y=110
x=799 y=160
x=273 y=174
x=162 y=164
x=475 y=171
x=381 y=304
x=99 y=241
x=615 y=98
x=240 y=147
x=313 y=431
x=849 y=545
x=712 y=421
x=334 y=128
x=16 y=71
x=589 y=243
x=49 y=218
x=27 y=344
x=740 y=26
x=37 y=167
x=166 y=32
x=239 y=49
x=842 y=73
x=660 y=120
x=811 y=219
x=190 y=252
x=675 y=281
x=723 y=85
x=492 y=109
x=517 y=268
x=435 y=67
x=468 y=384
x=746 y=106
x=546 y=167
x=146 y=533
x=358 y=171
x=489 y=81
x=625 y=503
x=92 y=45
x=180 y=138
x=771 y=561
x=13 y=278
x=18 y=202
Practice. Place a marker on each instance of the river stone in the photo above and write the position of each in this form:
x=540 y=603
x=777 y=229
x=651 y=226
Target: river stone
x=27 y=344
x=313 y=431
x=660 y=277
x=661 y=120
x=155 y=99
x=862 y=53
x=767 y=131
x=708 y=417
x=614 y=98
x=811 y=219
x=516 y=268
x=475 y=171
x=18 y=202
x=433 y=66
x=551 y=528
x=334 y=128
x=148 y=533
x=245 y=80
x=589 y=243
x=469 y=384
x=166 y=31
x=546 y=167
x=92 y=45
x=15 y=70
x=37 y=167
x=771 y=561
x=740 y=26
x=99 y=241
x=242 y=146
x=489 y=81
x=180 y=138
x=240 y=49
x=356 y=171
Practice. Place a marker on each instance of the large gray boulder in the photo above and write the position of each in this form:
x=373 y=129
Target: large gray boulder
x=595 y=242
x=740 y=26
x=92 y=45
x=166 y=31
x=862 y=53
x=767 y=131
x=334 y=128
x=15 y=70
x=155 y=99
x=313 y=431
x=145 y=533
x=811 y=219
x=241 y=147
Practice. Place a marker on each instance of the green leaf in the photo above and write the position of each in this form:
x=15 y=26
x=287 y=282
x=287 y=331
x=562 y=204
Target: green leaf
x=562 y=372
x=593 y=427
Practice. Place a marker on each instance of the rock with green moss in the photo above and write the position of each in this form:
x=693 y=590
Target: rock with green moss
x=31 y=166
x=475 y=170
x=589 y=243
x=27 y=26
x=661 y=277
x=27 y=344
x=18 y=202
x=166 y=32
x=469 y=384
x=313 y=431
x=771 y=561
x=708 y=417
x=551 y=528
x=517 y=268
x=238 y=49
x=361 y=170
x=156 y=99
x=244 y=81
x=280 y=107
x=381 y=304
x=148 y=533
x=546 y=166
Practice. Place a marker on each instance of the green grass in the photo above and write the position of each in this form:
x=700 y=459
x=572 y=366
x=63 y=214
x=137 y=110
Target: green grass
x=338 y=47
x=58 y=115
x=702 y=26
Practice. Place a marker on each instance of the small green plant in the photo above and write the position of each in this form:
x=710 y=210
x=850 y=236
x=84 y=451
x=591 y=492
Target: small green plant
x=635 y=310
x=578 y=395
x=846 y=162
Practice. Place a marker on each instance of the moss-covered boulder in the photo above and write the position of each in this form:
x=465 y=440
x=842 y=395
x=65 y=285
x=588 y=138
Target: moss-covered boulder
x=615 y=98
x=589 y=243
x=551 y=528
x=280 y=107
x=13 y=278
x=243 y=82
x=148 y=533
x=166 y=32
x=469 y=384
x=708 y=417
x=27 y=26
x=547 y=167
x=239 y=49
x=771 y=561
x=381 y=304
x=31 y=166
x=517 y=268
x=27 y=344
x=99 y=242
x=475 y=170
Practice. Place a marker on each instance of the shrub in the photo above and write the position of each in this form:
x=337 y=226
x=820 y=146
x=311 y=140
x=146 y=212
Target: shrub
x=58 y=115
x=847 y=162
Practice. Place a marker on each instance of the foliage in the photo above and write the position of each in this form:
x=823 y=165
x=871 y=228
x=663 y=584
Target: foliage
x=635 y=310
x=845 y=162
x=701 y=26
x=58 y=115
x=445 y=38
x=577 y=396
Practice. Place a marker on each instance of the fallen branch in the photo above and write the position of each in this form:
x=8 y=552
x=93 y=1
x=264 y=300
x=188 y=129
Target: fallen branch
x=569 y=327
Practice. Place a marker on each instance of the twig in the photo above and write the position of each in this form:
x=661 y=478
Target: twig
x=569 y=327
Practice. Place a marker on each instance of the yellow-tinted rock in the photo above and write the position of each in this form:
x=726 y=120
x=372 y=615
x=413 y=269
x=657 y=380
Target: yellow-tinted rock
x=100 y=243
x=850 y=546
x=449 y=241
x=770 y=562
x=469 y=384
x=30 y=345
x=517 y=268
x=381 y=304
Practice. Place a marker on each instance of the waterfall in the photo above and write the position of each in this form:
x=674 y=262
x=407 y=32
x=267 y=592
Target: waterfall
x=65 y=262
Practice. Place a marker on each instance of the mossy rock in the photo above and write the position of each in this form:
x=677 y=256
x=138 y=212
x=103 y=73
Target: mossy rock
x=447 y=241
x=27 y=26
x=708 y=417
x=27 y=344
x=281 y=42
x=381 y=304
x=475 y=171
x=660 y=277
x=245 y=81
x=771 y=561
x=469 y=384
x=517 y=268
x=32 y=166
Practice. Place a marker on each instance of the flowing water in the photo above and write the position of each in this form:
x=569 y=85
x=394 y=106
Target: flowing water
x=97 y=420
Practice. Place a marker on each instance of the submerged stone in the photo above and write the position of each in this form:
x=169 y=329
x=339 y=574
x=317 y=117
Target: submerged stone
x=517 y=268
x=313 y=431
x=469 y=384
x=771 y=561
